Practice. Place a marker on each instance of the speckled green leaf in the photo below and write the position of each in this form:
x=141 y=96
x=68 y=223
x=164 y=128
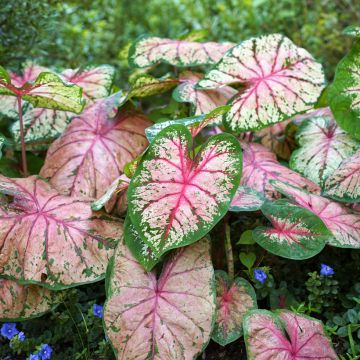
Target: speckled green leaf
x=352 y=30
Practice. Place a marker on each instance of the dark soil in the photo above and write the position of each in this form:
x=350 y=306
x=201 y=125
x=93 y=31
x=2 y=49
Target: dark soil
x=233 y=351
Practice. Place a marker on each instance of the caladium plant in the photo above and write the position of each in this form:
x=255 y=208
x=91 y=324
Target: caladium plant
x=169 y=317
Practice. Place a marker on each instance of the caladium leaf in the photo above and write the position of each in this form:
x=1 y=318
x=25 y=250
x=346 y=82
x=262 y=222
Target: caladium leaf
x=139 y=249
x=260 y=166
x=51 y=239
x=21 y=302
x=247 y=199
x=280 y=81
x=342 y=222
x=323 y=146
x=166 y=318
x=344 y=92
x=344 y=183
x=296 y=233
x=174 y=199
x=233 y=300
x=285 y=335
x=203 y=101
x=352 y=30
x=94 y=149
x=148 y=51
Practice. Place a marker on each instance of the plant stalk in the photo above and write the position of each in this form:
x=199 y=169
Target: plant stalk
x=22 y=138
x=229 y=252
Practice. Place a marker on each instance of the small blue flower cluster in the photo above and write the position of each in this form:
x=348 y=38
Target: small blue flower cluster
x=260 y=275
x=98 y=310
x=9 y=331
x=326 y=270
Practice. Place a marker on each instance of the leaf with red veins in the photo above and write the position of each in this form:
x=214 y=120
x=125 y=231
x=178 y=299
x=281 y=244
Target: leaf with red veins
x=94 y=149
x=342 y=222
x=174 y=199
x=280 y=81
x=166 y=318
x=233 y=300
x=202 y=101
x=148 y=51
x=344 y=183
x=246 y=199
x=323 y=146
x=260 y=166
x=50 y=239
x=21 y=302
x=296 y=233
x=285 y=335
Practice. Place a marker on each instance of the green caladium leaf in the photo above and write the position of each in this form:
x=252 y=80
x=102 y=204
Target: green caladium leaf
x=21 y=302
x=148 y=51
x=247 y=199
x=352 y=30
x=233 y=300
x=279 y=78
x=296 y=233
x=344 y=92
x=323 y=146
x=175 y=199
x=139 y=249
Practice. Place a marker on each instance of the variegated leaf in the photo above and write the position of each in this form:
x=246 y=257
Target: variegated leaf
x=323 y=146
x=233 y=300
x=296 y=233
x=202 y=101
x=280 y=81
x=54 y=240
x=21 y=302
x=260 y=166
x=246 y=199
x=285 y=335
x=344 y=92
x=352 y=30
x=175 y=199
x=166 y=318
x=148 y=51
x=344 y=183
x=94 y=149
x=342 y=222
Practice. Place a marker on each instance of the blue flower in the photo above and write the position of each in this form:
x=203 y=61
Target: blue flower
x=34 y=357
x=326 y=270
x=45 y=352
x=9 y=330
x=21 y=336
x=98 y=310
x=260 y=275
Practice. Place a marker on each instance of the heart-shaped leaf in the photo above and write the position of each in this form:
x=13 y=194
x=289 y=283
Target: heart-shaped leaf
x=344 y=224
x=344 y=183
x=296 y=233
x=344 y=92
x=20 y=302
x=175 y=199
x=51 y=239
x=148 y=51
x=280 y=81
x=94 y=149
x=247 y=258
x=202 y=101
x=323 y=146
x=260 y=166
x=233 y=300
x=166 y=318
x=246 y=199
x=285 y=335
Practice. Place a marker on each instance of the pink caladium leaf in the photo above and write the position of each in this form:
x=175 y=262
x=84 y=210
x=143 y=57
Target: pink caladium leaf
x=285 y=335
x=175 y=199
x=344 y=183
x=233 y=300
x=247 y=199
x=341 y=221
x=280 y=81
x=50 y=239
x=21 y=302
x=166 y=318
x=94 y=149
x=323 y=146
x=148 y=51
x=260 y=166
x=202 y=101
x=296 y=233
